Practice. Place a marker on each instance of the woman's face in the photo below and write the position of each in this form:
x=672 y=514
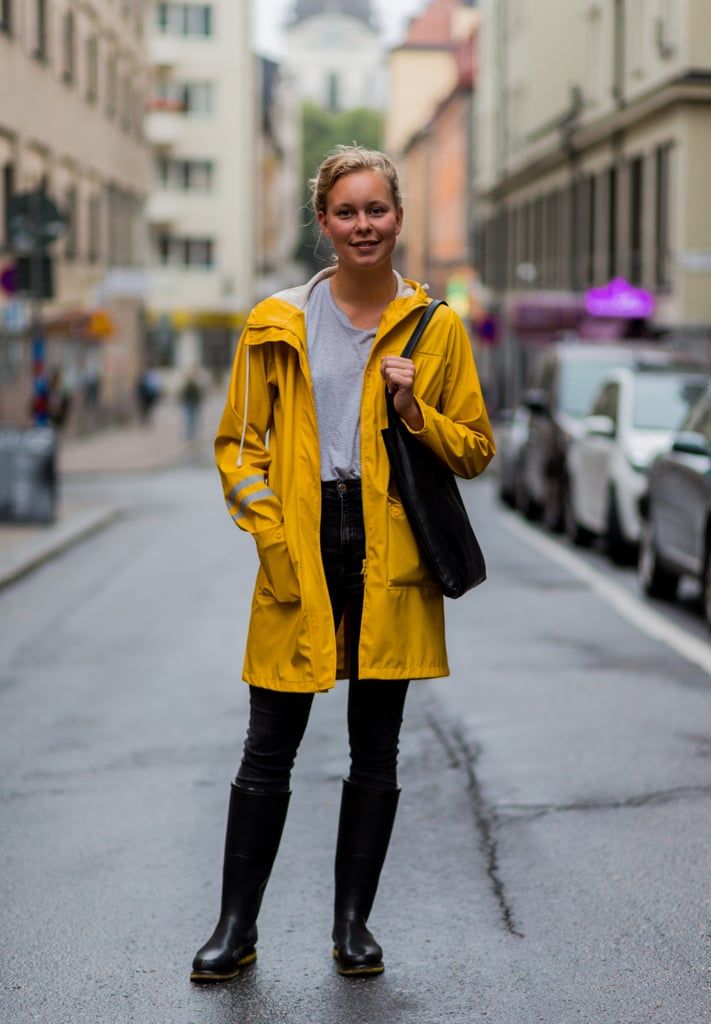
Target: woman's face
x=361 y=219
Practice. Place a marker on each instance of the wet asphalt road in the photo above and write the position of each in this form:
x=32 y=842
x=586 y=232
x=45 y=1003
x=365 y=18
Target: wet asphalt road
x=550 y=861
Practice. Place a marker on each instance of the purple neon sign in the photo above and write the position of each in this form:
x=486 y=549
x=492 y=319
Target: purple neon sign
x=620 y=300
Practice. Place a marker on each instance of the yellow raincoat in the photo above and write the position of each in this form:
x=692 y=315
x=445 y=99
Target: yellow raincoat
x=267 y=451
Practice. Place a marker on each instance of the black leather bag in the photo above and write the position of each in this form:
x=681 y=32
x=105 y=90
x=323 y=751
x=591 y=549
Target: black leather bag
x=431 y=499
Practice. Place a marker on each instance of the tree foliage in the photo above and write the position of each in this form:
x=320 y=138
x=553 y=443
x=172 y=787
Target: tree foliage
x=321 y=130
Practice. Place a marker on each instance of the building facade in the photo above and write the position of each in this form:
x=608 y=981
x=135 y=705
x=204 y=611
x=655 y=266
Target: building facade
x=593 y=142
x=437 y=245
x=422 y=70
x=73 y=81
x=335 y=55
x=201 y=124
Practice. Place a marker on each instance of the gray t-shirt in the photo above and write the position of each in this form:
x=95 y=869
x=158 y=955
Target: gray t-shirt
x=338 y=352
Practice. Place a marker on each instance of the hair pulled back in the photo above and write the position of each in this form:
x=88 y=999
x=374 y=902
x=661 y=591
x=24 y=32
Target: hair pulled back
x=343 y=160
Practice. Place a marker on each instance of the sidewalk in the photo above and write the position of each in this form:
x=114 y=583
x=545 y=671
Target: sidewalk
x=129 y=449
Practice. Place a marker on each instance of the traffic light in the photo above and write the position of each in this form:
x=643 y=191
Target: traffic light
x=40 y=286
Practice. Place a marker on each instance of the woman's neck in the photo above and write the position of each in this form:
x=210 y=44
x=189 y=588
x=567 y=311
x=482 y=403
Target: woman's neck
x=363 y=296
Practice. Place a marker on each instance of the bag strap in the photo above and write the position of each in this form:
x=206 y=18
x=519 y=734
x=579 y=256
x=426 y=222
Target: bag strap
x=421 y=327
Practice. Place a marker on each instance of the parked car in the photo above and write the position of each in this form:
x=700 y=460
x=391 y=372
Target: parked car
x=632 y=420
x=563 y=384
x=511 y=432
x=676 y=537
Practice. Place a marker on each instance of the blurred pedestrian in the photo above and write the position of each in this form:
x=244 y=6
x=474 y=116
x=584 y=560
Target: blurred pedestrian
x=191 y=396
x=341 y=591
x=148 y=392
x=59 y=399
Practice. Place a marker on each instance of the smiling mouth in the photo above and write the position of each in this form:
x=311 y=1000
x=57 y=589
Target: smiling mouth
x=365 y=245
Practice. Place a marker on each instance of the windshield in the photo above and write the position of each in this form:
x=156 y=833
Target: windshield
x=662 y=403
x=578 y=383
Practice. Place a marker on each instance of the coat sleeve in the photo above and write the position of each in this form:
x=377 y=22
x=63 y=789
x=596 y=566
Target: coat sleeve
x=458 y=430
x=241 y=451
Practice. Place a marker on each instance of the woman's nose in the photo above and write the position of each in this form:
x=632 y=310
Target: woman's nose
x=362 y=222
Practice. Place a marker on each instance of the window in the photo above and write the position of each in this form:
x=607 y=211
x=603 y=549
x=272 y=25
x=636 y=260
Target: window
x=126 y=102
x=198 y=99
x=636 y=222
x=539 y=220
x=187 y=175
x=94 y=228
x=69 y=47
x=40 y=51
x=92 y=69
x=6 y=16
x=661 y=215
x=612 y=222
x=333 y=91
x=111 y=86
x=183 y=19
x=552 y=228
x=620 y=43
x=72 y=235
x=185 y=252
x=197 y=20
x=592 y=233
x=8 y=188
x=662 y=402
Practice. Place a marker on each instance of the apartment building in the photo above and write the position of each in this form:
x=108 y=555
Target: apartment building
x=73 y=80
x=202 y=126
x=592 y=154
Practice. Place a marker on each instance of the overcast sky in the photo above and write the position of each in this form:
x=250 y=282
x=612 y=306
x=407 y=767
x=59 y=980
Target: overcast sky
x=268 y=16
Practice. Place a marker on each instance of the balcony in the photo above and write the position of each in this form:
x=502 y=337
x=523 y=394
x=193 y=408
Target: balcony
x=164 y=122
x=163 y=51
x=163 y=207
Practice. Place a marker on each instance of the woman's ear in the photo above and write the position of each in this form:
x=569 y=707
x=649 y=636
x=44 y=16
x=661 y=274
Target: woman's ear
x=322 y=224
x=398 y=219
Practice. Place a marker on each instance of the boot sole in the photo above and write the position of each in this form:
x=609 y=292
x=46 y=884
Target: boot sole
x=206 y=976
x=352 y=972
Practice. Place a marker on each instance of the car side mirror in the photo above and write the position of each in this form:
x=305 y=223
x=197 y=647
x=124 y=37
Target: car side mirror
x=536 y=400
x=598 y=426
x=691 y=443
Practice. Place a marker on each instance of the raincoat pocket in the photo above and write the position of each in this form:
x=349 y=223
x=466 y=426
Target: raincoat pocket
x=406 y=567
x=279 y=579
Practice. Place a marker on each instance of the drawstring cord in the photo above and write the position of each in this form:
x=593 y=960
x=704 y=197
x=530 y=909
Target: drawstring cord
x=246 y=409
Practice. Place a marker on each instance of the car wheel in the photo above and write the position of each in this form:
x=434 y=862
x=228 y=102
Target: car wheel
x=707 y=585
x=654 y=579
x=618 y=547
x=554 y=507
x=524 y=502
x=506 y=494
x=575 y=533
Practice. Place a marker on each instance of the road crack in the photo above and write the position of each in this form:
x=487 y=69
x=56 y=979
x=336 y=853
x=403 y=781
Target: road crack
x=510 y=813
x=463 y=756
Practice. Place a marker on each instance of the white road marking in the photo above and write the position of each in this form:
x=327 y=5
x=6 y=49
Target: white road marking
x=634 y=610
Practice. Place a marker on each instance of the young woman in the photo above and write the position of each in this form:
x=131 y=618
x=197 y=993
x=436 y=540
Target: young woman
x=341 y=589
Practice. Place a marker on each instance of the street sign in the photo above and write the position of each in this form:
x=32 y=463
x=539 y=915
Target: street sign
x=16 y=317
x=8 y=279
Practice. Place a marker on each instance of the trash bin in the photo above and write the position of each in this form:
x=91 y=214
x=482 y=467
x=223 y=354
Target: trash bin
x=28 y=475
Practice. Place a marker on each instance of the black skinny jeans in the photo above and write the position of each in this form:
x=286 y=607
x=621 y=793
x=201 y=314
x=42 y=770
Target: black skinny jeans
x=278 y=720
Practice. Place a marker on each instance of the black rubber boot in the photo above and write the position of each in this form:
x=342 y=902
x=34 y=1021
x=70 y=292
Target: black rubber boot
x=364 y=830
x=254 y=825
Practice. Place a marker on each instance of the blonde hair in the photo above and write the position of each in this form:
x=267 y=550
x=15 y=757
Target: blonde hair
x=343 y=160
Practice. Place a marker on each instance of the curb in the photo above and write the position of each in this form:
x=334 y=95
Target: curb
x=60 y=538
x=171 y=460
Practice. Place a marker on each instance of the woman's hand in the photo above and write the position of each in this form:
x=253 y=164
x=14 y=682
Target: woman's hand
x=399 y=377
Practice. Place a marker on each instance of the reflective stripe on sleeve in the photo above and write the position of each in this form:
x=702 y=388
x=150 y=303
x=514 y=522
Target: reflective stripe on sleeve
x=244 y=504
x=257 y=478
